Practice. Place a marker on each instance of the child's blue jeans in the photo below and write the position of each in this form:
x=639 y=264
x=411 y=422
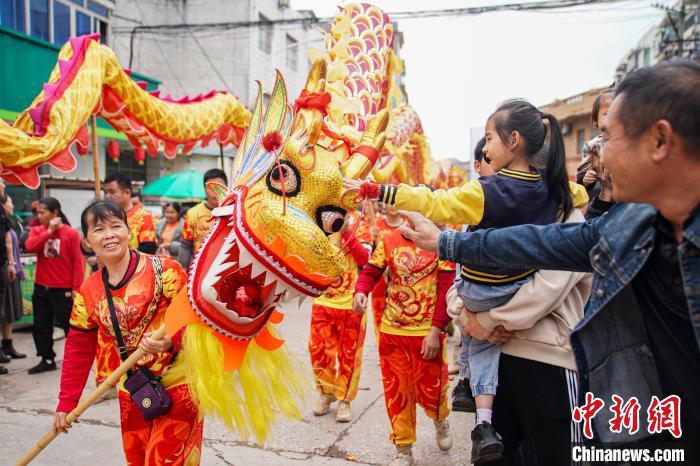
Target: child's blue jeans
x=481 y=363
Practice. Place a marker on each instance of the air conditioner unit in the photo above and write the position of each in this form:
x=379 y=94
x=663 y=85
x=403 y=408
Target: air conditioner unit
x=565 y=129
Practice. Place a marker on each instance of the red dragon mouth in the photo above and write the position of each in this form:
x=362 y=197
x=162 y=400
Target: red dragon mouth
x=240 y=282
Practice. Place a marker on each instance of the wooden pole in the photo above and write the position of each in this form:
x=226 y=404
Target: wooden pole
x=95 y=158
x=109 y=382
x=221 y=156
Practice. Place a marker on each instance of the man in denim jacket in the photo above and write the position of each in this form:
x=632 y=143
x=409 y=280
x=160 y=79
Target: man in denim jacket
x=640 y=336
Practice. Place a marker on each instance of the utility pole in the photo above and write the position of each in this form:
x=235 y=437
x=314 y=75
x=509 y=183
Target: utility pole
x=680 y=31
x=682 y=21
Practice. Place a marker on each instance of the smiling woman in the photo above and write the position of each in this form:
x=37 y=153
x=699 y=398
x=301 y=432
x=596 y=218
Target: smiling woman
x=124 y=304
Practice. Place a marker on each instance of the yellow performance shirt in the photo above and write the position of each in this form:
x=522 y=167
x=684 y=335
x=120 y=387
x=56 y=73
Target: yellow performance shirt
x=141 y=227
x=412 y=289
x=339 y=295
x=198 y=221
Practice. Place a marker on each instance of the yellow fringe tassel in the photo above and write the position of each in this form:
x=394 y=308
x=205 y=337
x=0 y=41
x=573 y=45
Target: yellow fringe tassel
x=248 y=400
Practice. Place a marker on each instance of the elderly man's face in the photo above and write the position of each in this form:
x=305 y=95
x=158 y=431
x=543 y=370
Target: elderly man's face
x=629 y=159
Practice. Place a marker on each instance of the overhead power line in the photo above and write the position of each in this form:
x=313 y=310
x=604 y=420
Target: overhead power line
x=308 y=21
x=312 y=20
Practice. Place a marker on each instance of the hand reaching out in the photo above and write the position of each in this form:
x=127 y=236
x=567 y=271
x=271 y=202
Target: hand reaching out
x=420 y=230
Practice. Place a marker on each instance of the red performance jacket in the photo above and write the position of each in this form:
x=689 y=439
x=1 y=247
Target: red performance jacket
x=60 y=263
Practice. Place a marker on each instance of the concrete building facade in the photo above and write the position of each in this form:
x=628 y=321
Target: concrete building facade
x=677 y=35
x=228 y=55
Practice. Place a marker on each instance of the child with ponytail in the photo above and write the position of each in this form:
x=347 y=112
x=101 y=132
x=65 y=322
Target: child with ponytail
x=519 y=193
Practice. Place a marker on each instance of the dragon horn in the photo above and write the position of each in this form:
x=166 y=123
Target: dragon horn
x=316 y=81
x=309 y=114
x=219 y=189
x=363 y=157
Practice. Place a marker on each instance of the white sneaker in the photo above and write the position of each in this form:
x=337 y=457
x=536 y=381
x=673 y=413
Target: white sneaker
x=403 y=457
x=443 y=435
x=323 y=404
x=344 y=414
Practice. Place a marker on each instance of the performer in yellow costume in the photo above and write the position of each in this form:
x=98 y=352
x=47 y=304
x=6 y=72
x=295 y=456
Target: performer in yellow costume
x=198 y=219
x=337 y=334
x=142 y=237
x=411 y=346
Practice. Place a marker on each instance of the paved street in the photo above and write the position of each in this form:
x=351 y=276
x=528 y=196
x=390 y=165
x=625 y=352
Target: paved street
x=27 y=404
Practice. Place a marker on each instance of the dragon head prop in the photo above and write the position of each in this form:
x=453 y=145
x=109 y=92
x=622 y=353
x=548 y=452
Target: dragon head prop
x=270 y=238
x=272 y=235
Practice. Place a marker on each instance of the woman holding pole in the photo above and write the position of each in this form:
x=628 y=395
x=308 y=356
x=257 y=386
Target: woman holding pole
x=125 y=301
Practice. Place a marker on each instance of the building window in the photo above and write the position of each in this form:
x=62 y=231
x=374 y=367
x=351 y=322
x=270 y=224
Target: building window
x=39 y=18
x=580 y=140
x=61 y=23
x=292 y=52
x=83 y=24
x=89 y=17
x=265 y=36
x=99 y=9
x=101 y=27
x=12 y=14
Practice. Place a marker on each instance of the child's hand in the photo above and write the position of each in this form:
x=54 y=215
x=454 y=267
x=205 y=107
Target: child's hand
x=589 y=178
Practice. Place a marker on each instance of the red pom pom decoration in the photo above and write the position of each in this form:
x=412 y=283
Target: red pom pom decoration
x=247 y=301
x=272 y=141
x=369 y=190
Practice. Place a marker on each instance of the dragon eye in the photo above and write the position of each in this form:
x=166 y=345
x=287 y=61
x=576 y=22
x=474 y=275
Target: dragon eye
x=330 y=219
x=284 y=178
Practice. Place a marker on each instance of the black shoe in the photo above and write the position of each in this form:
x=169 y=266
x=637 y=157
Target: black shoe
x=3 y=357
x=3 y=370
x=44 y=366
x=486 y=444
x=462 y=399
x=10 y=350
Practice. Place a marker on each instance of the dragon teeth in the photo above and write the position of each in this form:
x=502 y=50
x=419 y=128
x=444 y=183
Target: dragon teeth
x=271 y=278
x=292 y=294
x=244 y=257
x=257 y=269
